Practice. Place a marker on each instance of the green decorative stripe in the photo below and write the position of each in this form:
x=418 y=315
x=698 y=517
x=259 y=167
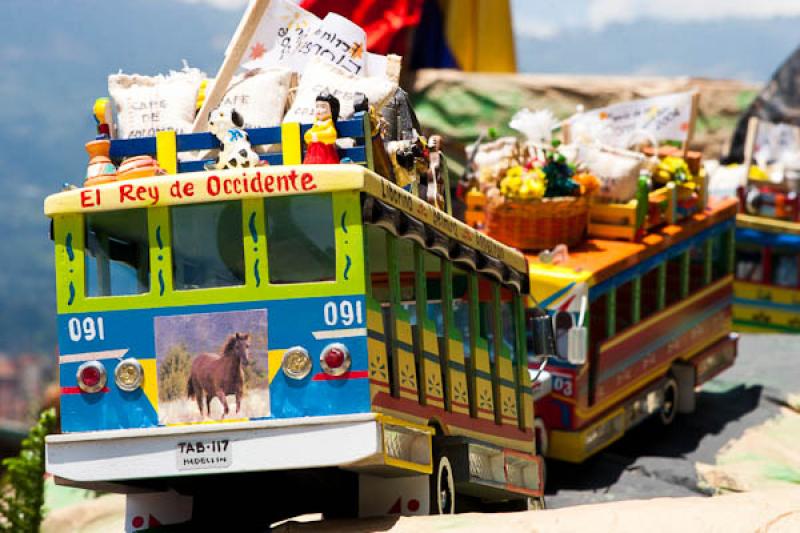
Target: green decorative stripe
x=347 y=265
x=764 y=325
x=252 y=225
x=68 y=244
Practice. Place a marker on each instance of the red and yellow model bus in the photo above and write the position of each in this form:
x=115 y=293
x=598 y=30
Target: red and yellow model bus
x=639 y=326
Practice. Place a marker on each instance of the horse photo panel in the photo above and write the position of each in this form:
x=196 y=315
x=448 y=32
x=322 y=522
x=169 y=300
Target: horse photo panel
x=212 y=366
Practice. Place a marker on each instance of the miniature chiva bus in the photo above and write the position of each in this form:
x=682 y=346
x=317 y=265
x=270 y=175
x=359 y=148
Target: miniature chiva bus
x=767 y=286
x=286 y=339
x=642 y=324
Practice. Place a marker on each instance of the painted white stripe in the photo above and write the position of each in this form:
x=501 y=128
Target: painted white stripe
x=339 y=333
x=92 y=356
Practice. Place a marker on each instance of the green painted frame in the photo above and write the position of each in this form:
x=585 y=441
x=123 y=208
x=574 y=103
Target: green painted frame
x=70 y=263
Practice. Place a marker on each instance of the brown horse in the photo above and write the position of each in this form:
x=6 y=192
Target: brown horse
x=218 y=375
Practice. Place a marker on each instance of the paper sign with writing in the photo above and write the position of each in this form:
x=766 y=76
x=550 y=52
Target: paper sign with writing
x=775 y=142
x=335 y=40
x=661 y=118
x=280 y=31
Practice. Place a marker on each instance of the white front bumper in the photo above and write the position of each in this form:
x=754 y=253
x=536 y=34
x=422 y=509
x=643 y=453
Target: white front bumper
x=255 y=446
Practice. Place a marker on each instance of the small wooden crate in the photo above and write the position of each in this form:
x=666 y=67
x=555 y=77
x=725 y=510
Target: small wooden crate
x=627 y=221
x=666 y=205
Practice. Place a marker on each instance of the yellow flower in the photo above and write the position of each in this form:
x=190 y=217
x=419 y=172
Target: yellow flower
x=514 y=172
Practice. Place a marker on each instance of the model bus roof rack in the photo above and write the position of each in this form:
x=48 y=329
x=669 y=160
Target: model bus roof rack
x=287 y=134
x=402 y=225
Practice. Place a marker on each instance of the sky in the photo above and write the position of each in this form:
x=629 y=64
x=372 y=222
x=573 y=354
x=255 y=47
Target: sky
x=547 y=18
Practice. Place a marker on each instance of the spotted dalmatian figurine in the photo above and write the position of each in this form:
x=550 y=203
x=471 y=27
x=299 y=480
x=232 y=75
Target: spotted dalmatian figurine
x=235 y=150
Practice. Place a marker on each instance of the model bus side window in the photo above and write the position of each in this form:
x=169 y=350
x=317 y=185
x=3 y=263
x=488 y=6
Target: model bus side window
x=699 y=267
x=749 y=258
x=509 y=322
x=301 y=246
x=487 y=314
x=207 y=245
x=649 y=293
x=673 y=291
x=461 y=307
x=117 y=253
x=597 y=320
x=624 y=308
x=784 y=267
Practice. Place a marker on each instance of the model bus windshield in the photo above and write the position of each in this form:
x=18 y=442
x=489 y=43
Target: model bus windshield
x=300 y=238
x=117 y=257
x=207 y=246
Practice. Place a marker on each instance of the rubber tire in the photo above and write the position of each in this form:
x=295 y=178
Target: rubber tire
x=669 y=408
x=537 y=504
x=442 y=487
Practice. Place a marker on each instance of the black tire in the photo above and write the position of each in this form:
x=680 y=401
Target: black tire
x=669 y=405
x=442 y=487
x=537 y=504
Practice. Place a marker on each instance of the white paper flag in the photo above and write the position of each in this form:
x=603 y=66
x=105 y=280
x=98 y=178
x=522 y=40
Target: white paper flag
x=660 y=118
x=279 y=32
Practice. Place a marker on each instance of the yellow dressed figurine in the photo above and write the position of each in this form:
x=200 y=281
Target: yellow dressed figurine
x=321 y=137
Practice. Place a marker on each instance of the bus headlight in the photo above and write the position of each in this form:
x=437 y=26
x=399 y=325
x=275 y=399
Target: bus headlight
x=91 y=376
x=296 y=363
x=335 y=359
x=129 y=374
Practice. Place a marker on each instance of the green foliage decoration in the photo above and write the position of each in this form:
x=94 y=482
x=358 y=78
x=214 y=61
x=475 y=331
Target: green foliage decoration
x=22 y=486
x=173 y=373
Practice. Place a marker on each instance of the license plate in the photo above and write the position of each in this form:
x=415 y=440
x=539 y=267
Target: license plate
x=202 y=454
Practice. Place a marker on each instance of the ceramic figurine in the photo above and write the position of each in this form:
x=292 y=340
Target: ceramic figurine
x=235 y=150
x=438 y=182
x=100 y=169
x=321 y=137
x=140 y=166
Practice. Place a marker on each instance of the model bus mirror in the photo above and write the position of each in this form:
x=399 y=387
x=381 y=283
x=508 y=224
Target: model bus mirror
x=576 y=345
x=577 y=337
x=541 y=327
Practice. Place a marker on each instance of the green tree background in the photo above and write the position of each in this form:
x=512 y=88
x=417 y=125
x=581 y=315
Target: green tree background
x=173 y=373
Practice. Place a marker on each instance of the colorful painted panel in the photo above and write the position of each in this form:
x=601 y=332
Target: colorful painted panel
x=203 y=359
x=679 y=332
x=151 y=335
x=765 y=308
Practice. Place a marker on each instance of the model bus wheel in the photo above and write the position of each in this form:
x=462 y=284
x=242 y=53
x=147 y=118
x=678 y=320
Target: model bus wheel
x=443 y=488
x=536 y=503
x=669 y=405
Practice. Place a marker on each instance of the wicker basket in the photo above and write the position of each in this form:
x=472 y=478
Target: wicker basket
x=538 y=224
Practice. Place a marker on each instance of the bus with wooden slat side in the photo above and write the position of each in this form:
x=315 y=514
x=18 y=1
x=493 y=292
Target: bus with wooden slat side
x=640 y=326
x=355 y=343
